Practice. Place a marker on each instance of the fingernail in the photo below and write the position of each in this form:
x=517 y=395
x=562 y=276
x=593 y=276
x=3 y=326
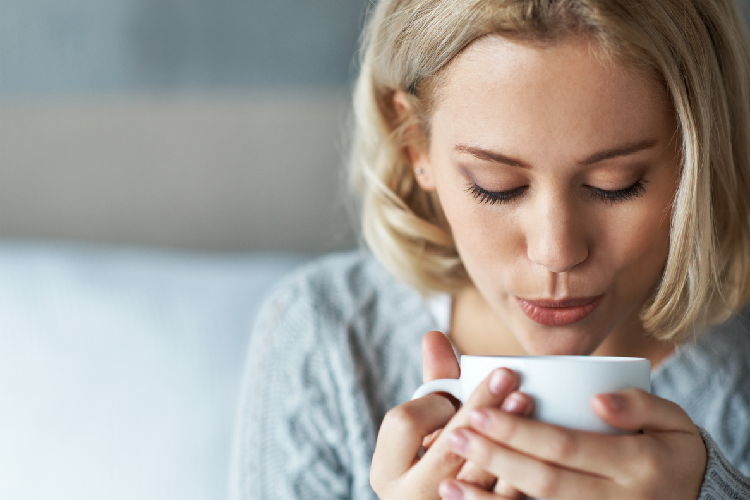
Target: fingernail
x=479 y=419
x=514 y=403
x=450 y=491
x=613 y=402
x=458 y=441
x=500 y=382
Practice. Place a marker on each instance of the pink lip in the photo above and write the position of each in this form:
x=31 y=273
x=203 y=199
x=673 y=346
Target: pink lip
x=559 y=312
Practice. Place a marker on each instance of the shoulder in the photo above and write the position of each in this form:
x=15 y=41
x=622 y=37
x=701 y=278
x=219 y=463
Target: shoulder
x=721 y=354
x=710 y=379
x=339 y=288
x=716 y=357
x=347 y=279
x=351 y=308
x=334 y=346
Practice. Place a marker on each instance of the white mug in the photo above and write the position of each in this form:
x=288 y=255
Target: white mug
x=562 y=387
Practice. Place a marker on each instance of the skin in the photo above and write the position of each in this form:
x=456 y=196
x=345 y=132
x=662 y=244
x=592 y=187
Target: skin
x=554 y=126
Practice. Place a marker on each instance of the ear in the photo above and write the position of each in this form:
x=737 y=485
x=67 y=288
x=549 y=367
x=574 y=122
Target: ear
x=420 y=162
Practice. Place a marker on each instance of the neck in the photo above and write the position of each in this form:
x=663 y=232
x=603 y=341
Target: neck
x=636 y=344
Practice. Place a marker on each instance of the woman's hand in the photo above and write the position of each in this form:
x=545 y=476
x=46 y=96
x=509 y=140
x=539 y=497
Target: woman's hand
x=439 y=361
x=398 y=471
x=667 y=460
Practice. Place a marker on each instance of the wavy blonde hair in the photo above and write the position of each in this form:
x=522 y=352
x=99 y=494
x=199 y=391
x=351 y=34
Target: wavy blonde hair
x=698 y=49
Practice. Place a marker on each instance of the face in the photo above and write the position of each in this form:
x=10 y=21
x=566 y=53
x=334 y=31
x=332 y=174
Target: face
x=556 y=171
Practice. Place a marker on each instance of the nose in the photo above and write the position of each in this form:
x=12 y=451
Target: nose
x=556 y=236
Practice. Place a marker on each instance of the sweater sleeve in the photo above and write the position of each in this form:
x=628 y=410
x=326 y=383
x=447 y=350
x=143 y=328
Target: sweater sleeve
x=722 y=480
x=291 y=437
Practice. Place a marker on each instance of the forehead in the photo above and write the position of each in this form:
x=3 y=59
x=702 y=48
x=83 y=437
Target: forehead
x=501 y=89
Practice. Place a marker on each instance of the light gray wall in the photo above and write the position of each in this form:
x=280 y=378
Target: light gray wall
x=54 y=47
x=201 y=124
x=252 y=172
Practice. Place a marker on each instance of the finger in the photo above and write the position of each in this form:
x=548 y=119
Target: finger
x=529 y=475
x=517 y=403
x=438 y=358
x=472 y=474
x=401 y=434
x=439 y=361
x=635 y=410
x=594 y=453
x=430 y=439
x=505 y=490
x=451 y=490
x=440 y=462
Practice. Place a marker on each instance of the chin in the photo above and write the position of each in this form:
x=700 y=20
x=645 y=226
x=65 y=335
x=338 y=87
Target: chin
x=559 y=344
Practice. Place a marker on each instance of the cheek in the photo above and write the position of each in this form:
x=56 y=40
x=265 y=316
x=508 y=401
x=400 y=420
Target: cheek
x=638 y=244
x=470 y=224
x=485 y=235
x=641 y=239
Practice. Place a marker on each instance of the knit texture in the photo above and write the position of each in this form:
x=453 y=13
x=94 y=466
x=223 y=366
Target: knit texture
x=338 y=344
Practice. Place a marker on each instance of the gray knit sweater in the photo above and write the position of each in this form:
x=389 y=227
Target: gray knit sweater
x=338 y=344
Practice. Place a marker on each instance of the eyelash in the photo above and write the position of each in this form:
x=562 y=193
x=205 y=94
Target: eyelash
x=493 y=197
x=633 y=191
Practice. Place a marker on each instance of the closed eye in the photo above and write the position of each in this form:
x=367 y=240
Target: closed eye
x=483 y=196
x=618 y=195
x=492 y=197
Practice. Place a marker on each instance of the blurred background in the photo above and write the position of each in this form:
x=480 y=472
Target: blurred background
x=200 y=124
x=163 y=163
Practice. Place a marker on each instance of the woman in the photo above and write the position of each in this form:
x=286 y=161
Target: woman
x=538 y=177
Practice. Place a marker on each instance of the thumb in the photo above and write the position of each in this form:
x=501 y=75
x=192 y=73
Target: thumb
x=438 y=358
x=636 y=410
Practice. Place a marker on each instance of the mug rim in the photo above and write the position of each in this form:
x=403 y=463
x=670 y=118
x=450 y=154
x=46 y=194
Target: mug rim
x=561 y=358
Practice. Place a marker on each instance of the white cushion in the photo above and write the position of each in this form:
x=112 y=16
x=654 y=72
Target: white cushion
x=120 y=369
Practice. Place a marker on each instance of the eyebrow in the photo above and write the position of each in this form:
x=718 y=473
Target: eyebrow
x=622 y=150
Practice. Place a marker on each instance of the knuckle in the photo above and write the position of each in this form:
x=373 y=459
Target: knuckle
x=507 y=429
x=473 y=475
x=649 y=467
x=400 y=420
x=481 y=454
x=451 y=458
x=548 y=481
x=652 y=462
x=444 y=455
x=563 y=446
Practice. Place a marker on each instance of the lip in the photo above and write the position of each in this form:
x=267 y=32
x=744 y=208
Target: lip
x=549 y=312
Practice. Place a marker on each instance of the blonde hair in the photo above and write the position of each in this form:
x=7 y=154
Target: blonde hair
x=698 y=49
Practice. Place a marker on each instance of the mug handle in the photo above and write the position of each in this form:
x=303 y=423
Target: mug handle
x=450 y=385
